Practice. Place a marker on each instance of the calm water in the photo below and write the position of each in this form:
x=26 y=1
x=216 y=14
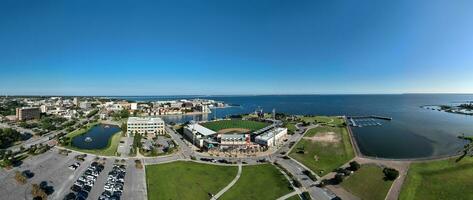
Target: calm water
x=100 y=135
x=413 y=132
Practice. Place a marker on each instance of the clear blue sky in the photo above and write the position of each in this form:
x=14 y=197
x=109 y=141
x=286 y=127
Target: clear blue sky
x=235 y=47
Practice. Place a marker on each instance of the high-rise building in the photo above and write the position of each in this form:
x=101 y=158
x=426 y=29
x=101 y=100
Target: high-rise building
x=28 y=113
x=76 y=101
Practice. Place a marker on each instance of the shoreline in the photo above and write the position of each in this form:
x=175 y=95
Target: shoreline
x=195 y=113
x=358 y=152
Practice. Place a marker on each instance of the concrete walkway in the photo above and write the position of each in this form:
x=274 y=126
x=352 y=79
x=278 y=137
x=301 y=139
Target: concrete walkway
x=288 y=195
x=219 y=194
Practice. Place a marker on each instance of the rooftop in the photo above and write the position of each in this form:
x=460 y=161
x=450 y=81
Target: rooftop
x=270 y=134
x=144 y=119
x=201 y=129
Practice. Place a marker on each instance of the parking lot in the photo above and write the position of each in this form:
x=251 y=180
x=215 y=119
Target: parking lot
x=124 y=146
x=50 y=167
x=86 y=182
x=135 y=184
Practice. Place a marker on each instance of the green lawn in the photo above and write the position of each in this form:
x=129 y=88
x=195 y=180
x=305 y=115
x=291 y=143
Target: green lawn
x=259 y=182
x=330 y=155
x=186 y=180
x=81 y=130
x=225 y=124
x=444 y=179
x=323 y=119
x=367 y=183
x=291 y=127
x=110 y=150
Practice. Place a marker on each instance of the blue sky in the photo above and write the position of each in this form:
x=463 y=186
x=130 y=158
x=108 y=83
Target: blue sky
x=235 y=47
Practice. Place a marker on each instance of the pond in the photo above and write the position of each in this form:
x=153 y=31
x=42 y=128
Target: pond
x=95 y=138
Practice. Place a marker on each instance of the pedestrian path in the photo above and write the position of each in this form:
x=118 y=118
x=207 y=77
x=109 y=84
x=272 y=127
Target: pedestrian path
x=219 y=194
x=288 y=195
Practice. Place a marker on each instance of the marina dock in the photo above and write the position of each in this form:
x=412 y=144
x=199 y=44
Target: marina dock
x=363 y=121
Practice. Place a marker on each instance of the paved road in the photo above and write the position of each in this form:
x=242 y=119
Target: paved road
x=297 y=171
x=135 y=182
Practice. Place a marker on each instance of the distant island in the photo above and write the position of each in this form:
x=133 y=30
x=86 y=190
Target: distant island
x=465 y=108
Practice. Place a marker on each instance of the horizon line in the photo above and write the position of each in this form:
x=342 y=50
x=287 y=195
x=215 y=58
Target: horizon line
x=217 y=95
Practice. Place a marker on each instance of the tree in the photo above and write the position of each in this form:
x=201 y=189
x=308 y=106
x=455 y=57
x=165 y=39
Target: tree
x=338 y=179
x=36 y=191
x=390 y=174
x=124 y=128
x=124 y=114
x=354 y=166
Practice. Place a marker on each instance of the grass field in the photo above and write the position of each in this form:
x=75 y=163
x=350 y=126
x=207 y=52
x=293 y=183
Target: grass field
x=186 y=180
x=321 y=156
x=367 y=183
x=110 y=150
x=291 y=127
x=443 y=179
x=225 y=124
x=259 y=182
x=323 y=119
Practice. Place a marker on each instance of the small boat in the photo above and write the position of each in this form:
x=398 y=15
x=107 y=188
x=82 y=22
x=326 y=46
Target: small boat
x=88 y=139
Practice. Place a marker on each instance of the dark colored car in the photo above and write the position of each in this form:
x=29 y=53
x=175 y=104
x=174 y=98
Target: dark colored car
x=70 y=196
x=87 y=188
x=76 y=188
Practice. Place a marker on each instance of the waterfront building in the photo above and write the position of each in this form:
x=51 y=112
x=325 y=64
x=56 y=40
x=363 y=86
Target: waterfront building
x=28 y=113
x=146 y=125
x=272 y=137
x=202 y=108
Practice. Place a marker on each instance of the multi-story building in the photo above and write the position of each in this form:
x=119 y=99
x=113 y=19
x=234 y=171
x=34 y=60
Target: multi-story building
x=28 y=113
x=272 y=137
x=202 y=108
x=76 y=101
x=85 y=105
x=134 y=106
x=146 y=125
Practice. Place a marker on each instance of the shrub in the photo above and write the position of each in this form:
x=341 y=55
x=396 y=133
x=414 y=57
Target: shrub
x=354 y=166
x=390 y=174
x=306 y=196
x=138 y=164
x=38 y=193
x=296 y=183
x=310 y=175
x=338 y=179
